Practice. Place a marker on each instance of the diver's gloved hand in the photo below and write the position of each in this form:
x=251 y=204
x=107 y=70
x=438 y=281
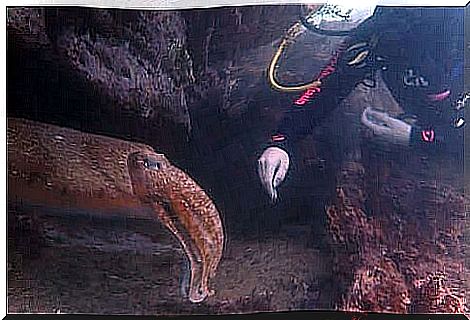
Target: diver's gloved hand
x=272 y=168
x=386 y=127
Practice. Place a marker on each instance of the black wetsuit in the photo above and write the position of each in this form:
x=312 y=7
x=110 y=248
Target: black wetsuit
x=420 y=51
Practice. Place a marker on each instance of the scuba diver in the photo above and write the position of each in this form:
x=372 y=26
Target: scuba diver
x=419 y=53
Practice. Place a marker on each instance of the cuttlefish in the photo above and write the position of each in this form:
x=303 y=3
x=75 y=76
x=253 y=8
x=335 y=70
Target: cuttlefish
x=64 y=167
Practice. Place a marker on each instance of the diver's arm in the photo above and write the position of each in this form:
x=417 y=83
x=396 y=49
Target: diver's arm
x=308 y=110
x=315 y=104
x=338 y=79
x=425 y=137
x=342 y=74
x=441 y=131
x=439 y=136
x=434 y=137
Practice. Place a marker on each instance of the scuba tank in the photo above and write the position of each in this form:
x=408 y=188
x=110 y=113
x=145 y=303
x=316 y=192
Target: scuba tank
x=327 y=26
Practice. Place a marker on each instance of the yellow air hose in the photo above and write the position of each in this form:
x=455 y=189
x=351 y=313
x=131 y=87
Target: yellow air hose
x=296 y=30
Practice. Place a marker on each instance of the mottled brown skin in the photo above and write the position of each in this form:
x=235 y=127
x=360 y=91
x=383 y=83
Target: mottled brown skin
x=186 y=210
x=67 y=168
x=57 y=166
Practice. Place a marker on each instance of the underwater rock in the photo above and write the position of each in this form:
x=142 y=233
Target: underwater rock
x=395 y=254
x=224 y=33
x=28 y=26
x=139 y=60
x=157 y=66
x=60 y=167
x=378 y=287
x=435 y=296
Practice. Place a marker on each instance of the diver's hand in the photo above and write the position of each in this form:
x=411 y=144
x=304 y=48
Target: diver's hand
x=386 y=127
x=272 y=168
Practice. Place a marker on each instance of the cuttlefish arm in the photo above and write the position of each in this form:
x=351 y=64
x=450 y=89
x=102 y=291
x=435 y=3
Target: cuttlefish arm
x=186 y=210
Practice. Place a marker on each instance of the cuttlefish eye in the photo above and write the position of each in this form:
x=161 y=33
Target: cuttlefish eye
x=152 y=164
